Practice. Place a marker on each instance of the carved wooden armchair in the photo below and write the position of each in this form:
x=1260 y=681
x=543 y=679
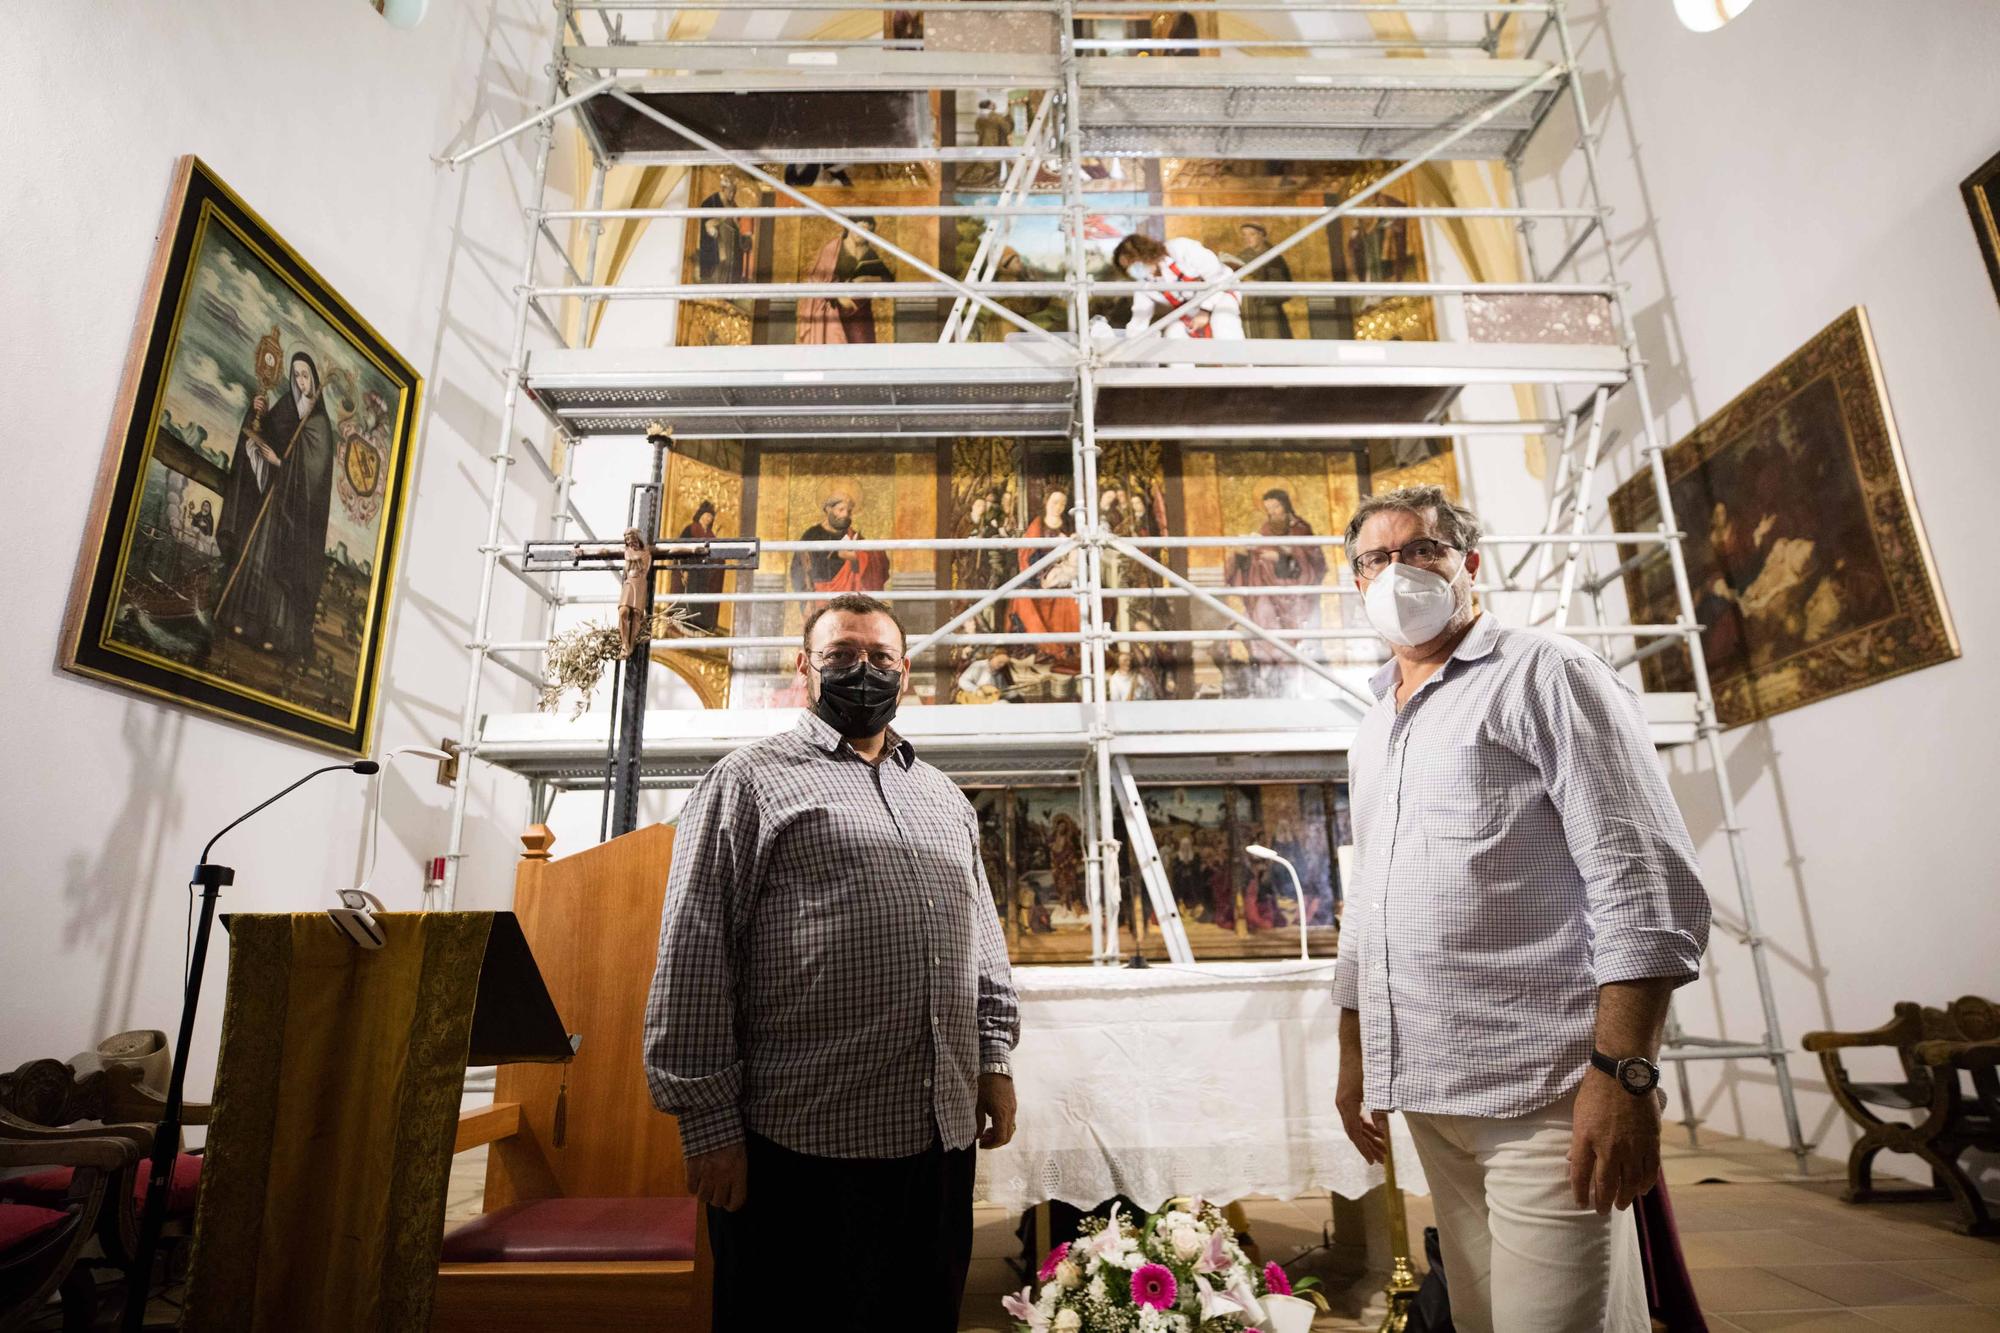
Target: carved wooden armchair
x=1950 y=1087
x=47 y=1104
x=42 y=1247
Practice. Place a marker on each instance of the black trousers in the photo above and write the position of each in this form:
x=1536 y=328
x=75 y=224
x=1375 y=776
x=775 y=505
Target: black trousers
x=821 y=1239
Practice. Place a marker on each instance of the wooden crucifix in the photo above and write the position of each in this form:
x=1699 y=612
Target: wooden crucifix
x=638 y=563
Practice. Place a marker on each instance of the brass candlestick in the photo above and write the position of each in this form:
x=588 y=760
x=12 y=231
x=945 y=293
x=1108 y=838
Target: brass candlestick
x=1402 y=1287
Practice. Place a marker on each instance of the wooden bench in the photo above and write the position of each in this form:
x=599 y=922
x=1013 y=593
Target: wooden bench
x=1949 y=1087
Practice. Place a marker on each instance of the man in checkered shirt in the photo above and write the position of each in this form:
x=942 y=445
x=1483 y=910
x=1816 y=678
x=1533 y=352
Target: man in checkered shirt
x=832 y=1012
x=1527 y=899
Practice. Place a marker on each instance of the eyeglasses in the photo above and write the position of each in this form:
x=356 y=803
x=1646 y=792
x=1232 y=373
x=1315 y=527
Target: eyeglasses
x=1425 y=551
x=839 y=659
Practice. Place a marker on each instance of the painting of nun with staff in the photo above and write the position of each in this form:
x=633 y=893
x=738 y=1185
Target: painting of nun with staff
x=255 y=397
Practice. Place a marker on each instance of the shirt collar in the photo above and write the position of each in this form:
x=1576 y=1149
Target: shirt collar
x=820 y=733
x=1479 y=641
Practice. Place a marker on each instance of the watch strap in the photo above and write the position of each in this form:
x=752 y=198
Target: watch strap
x=1606 y=1065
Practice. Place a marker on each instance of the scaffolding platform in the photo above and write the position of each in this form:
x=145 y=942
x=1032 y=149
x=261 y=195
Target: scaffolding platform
x=1233 y=105
x=1199 y=740
x=1027 y=386
x=812 y=105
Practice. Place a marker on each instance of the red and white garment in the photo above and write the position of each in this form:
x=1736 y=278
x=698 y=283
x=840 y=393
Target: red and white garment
x=1188 y=260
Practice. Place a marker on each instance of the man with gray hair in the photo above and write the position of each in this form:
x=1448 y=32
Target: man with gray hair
x=1526 y=900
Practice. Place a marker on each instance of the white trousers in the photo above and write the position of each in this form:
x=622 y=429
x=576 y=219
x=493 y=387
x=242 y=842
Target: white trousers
x=1519 y=1255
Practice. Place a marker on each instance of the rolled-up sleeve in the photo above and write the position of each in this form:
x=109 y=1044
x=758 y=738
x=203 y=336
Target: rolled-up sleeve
x=1647 y=910
x=999 y=1007
x=694 y=1065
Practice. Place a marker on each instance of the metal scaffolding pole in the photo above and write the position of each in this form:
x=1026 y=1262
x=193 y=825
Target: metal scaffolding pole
x=1772 y=1047
x=482 y=619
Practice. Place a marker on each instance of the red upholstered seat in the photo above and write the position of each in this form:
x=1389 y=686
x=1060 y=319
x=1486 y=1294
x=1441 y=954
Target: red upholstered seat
x=49 y=1188
x=22 y=1222
x=578 y=1231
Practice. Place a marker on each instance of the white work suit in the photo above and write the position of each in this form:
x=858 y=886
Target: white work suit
x=1188 y=260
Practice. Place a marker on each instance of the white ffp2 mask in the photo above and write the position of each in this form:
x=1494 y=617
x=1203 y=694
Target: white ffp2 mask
x=1138 y=272
x=1408 y=604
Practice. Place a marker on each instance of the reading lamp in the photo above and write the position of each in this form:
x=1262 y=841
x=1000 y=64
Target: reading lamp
x=1263 y=853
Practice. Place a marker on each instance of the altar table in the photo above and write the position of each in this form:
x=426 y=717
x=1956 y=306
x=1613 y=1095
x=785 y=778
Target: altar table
x=1214 y=1079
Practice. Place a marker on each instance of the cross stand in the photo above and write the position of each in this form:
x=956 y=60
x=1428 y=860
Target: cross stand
x=629 y=721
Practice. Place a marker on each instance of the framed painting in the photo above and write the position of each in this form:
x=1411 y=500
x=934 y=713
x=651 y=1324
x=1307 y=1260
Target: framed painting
x=1231 y=905
x=1982 y=199
x=1808 y=563
x=243 y=541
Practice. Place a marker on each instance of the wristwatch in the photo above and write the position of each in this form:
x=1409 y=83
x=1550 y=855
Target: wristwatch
x=1636 y=1074
x=1000 y=1067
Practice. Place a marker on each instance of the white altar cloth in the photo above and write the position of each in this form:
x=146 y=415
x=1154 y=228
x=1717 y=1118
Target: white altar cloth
x=1216 y=1079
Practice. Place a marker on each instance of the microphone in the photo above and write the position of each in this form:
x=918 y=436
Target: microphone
x=167 y=1135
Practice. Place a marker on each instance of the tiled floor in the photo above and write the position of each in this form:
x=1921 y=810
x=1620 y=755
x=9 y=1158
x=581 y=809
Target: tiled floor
x=1769 y=1250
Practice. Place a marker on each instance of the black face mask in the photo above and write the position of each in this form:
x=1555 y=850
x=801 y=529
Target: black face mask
x=859 y=700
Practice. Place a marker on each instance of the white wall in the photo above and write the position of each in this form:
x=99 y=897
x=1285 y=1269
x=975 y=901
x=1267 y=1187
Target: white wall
x=1806 y=159
x=324 y=118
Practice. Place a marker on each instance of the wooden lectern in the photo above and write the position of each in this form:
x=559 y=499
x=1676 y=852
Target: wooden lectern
x=593 y=921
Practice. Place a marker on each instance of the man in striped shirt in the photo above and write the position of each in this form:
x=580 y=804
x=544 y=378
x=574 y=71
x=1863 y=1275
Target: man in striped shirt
x=1526 y=900
x=832 y=1012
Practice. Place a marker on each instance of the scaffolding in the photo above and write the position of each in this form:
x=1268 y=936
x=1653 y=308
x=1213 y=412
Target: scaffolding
x=643 y=93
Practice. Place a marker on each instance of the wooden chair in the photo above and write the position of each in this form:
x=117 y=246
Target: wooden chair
x=1942 y=1051
x=588 y=1222
x=50 y=1103
x=42 y=1247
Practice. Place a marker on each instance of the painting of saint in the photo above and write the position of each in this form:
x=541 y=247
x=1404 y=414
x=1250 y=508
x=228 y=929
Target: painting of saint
x=1263 y=316
x=1274 y=566
x=834 y=572
x=703 y=617
x=1050 y=907
x=989 y=327
x=248 y=517
x=1805 y=554
x=847 y=257
x=1051 y=615
x=1132 y=504
x=274 y=517
x=723 y=254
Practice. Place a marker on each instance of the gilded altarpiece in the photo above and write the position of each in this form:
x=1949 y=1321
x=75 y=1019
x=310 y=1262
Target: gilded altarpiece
x=1005 y=489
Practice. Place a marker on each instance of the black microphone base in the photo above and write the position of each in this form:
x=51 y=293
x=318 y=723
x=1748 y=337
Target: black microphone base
x=167 y=1134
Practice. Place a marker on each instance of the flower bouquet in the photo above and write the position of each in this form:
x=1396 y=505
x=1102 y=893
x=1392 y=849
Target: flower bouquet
x=1178 y=1271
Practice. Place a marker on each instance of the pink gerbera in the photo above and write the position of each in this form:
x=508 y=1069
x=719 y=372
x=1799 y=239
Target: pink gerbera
x=1153 y=1284
x=1056 y=1256
x=1275 y=1281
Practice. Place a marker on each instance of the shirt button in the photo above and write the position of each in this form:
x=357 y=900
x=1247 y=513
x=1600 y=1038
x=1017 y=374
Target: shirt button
x=936 y=961
x=927 y=1083
x=930 y=902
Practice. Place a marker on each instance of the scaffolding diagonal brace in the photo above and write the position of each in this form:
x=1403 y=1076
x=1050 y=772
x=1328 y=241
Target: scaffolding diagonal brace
x=1152 y=870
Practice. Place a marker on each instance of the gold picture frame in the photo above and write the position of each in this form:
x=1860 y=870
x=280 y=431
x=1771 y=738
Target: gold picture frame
x=1805 y=553
x=244 y=537
x=1982 y=199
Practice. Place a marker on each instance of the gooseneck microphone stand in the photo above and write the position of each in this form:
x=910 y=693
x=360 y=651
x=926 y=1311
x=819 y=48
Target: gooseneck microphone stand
x=210 y=878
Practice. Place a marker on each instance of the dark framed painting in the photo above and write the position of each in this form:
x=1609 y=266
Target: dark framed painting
x=1805 y=555
x=1982 y=199
x=242 y=545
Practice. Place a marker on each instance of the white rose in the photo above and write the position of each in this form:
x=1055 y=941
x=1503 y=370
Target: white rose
x=1068 y=1274
x=1187 y=1242
x=1067 y=1321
